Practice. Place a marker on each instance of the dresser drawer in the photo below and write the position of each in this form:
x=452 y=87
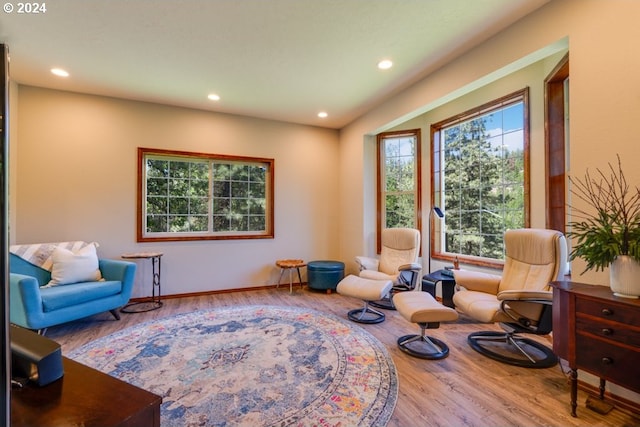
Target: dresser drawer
x=608 y=310
x=609 y=361
x=619 y=332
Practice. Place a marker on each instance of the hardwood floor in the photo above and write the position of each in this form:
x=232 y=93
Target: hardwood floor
x=465 y=389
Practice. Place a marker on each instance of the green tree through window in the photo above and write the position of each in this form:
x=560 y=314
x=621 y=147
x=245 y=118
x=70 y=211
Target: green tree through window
x=177 y=196
x=192 y=196
x=239 y=197
x=482 y=182
x=399 y=180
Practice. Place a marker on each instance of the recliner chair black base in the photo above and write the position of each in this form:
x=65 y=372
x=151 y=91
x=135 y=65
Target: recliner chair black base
x=519 y=351
x=408 y=280
x=366 y=315
x=384 y=303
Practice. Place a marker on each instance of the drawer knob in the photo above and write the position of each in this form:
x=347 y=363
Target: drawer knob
x=607 y=311
x=607 y=331
x=607 y=361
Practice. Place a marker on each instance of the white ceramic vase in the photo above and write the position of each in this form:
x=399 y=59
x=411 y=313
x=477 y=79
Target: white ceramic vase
x=624 y=277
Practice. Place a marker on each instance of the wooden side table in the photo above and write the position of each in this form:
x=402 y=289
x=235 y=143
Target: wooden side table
x=154 y=302
x=597 y=332
x=290 y=264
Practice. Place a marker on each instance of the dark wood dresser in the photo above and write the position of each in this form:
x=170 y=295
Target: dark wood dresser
x=597 y=332
x=84 y=397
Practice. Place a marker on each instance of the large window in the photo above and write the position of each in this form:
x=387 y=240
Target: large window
x=480 y=176
x=195 y=196
x=399 y=180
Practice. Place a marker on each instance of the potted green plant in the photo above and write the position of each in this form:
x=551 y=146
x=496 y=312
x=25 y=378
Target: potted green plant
x=607 y=234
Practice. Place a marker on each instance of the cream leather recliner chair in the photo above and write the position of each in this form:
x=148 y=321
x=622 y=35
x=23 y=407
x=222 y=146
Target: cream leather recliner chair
x=520 y=299
x=397 y=262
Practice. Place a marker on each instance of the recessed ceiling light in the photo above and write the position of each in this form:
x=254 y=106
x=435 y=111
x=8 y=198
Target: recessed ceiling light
x=214 y=97
x=385 y=64
x=323 y=114
x=59 y=72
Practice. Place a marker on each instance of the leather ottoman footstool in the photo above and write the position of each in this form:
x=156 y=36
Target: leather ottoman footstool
x=421 y=308
x=324 y=275
x=367 y=290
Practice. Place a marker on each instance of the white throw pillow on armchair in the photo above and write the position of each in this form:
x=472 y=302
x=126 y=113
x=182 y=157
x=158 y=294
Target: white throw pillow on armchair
x=74 y=267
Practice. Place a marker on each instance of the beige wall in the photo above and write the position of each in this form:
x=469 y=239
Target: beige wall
x=76 y=180
x=532 y=77
x=325 y=189
x=72 y=145
x=601 y=38
x=73 y=164
x=604 y=101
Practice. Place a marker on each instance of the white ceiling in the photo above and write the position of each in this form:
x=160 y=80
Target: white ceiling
x=276 y=59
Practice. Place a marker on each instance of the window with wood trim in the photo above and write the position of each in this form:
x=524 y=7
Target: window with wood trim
x=399 y=198
x=480 y=178
x=198 y=196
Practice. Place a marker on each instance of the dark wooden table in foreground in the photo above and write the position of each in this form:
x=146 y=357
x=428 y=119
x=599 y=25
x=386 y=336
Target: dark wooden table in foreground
x=598 y=332
x=84 y=397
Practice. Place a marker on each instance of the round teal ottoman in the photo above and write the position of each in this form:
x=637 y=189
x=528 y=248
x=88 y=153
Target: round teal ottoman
x=324 y=275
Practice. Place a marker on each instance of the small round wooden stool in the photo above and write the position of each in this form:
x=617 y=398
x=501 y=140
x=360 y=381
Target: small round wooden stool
x=290 y=264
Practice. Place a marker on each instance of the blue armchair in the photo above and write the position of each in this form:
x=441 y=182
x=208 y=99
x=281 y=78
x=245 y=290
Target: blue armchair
x=36 y=307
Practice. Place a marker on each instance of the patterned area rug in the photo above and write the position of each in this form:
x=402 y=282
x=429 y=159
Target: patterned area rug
x=254 y=366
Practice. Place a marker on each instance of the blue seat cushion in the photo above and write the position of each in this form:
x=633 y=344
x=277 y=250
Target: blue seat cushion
x=62 y=296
